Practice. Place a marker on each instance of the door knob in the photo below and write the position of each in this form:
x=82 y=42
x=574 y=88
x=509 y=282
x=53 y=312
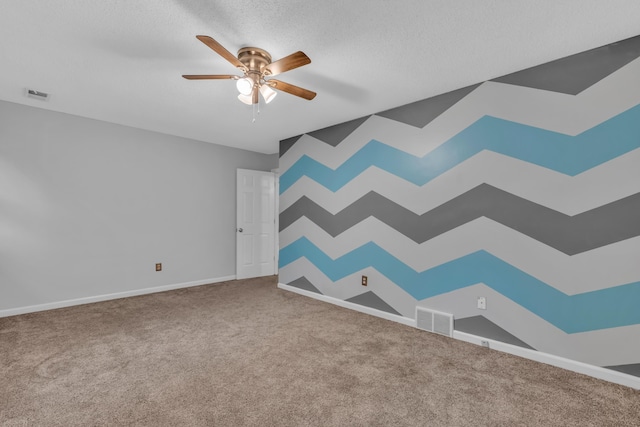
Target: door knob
x=239 y=230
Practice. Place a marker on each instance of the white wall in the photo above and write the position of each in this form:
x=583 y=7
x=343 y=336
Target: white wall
x=87 y=208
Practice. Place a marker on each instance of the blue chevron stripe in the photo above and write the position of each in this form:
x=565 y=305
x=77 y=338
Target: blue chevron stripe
x=606 y=308
x=567 y=154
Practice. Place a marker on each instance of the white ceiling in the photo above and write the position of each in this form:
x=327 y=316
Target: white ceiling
x=121 y=61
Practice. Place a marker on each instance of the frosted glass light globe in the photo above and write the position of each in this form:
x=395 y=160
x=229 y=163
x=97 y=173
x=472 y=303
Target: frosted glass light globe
x=245 y=86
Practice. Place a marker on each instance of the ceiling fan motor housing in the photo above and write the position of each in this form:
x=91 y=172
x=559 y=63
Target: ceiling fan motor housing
x=255 y=59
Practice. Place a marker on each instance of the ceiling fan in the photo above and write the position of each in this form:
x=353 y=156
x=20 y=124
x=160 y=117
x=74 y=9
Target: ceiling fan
x=256 y=66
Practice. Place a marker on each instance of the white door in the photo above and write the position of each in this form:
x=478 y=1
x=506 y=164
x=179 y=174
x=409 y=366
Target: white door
x=255 y=225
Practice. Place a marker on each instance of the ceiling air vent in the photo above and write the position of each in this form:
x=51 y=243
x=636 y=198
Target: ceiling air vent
x=36 y=94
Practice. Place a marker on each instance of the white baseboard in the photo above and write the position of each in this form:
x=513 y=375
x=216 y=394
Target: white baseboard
x=350 y=305
x=106 y=297
x=550 y=359
x=538 y=356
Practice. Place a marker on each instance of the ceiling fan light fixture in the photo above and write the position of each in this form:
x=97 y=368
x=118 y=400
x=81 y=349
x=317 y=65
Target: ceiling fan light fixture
x=256 y=64
x=245 y=86
x=247 y=99
x=267 y=93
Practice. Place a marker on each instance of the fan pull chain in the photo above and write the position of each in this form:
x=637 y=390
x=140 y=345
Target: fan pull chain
x=253 y=120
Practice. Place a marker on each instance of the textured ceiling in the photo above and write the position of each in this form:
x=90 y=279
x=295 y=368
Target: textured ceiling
x=122 y=61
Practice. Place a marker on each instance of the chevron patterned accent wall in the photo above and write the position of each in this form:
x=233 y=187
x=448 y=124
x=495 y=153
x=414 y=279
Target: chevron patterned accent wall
x=524 y=189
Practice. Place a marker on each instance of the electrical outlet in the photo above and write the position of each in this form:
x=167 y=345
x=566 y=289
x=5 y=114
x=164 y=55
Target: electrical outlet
x=159 y=266
x=482 y=303
x=365 y=281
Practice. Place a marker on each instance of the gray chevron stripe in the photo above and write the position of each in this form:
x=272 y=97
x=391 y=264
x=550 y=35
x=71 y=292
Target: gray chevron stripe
x=633 y=369
x=334 y=135
x=483 y=327
x=421 y=113
x=285 y=144
x=601 y=226
x=305 y=284
x=570 y=75
x=370 y=299
x=575 y=73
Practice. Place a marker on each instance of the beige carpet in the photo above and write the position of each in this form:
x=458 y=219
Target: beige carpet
x=244 y=353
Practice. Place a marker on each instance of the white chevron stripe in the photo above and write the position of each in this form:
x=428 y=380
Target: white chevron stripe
x=567 y=114
x=350 y=286
x=598 y=186
x=605 y=347
x=608 y=266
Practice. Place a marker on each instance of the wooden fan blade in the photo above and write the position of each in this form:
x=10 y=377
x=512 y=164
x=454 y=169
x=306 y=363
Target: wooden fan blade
x=209 y=76
x=287 y=63
x=220 y=50
x=293 y=90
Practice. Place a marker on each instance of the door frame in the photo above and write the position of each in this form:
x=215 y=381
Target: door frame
x=276 y=222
